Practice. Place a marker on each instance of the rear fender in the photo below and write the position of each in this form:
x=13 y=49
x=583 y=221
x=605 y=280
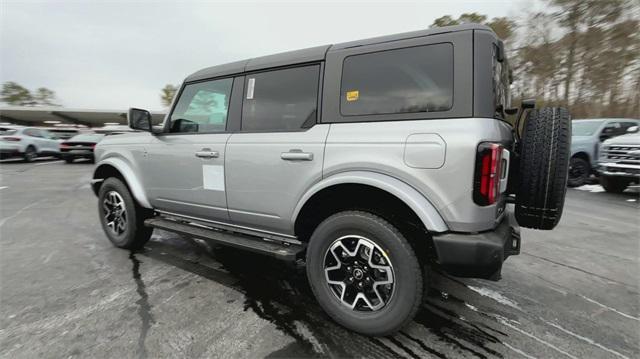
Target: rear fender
x=427 y=213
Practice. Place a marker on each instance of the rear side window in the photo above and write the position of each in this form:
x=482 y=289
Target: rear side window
x=202 y=107
x=32 y=132
x=408 y=80
x=281 y=100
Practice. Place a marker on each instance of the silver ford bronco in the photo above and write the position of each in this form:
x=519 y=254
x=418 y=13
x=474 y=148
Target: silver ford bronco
x=367 y=162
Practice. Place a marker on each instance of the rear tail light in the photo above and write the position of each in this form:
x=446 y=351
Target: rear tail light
x=64 y=145
x=488 y=174
x=12 y=139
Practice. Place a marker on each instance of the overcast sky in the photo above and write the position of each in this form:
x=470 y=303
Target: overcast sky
x=115 y=55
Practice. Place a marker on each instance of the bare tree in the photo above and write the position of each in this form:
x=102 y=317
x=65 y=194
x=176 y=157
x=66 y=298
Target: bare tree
x=17 y=95
x=167 y=94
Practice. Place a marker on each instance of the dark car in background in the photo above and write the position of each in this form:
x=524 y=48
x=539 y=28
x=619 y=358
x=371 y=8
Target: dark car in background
x=80 y=146
x=63 y=133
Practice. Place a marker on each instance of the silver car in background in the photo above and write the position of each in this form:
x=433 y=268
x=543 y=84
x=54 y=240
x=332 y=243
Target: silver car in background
x=587 y=135
x=27 y=143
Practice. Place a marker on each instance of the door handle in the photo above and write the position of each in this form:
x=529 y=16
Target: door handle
x=207 y=153
x=296 y=155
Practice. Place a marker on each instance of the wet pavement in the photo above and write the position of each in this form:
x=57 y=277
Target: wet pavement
x=66 y=292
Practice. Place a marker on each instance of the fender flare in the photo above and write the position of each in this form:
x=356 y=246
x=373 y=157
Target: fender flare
x=427 y=213
x=129 y=176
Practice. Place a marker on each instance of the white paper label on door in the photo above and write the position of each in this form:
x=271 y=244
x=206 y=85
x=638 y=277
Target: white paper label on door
x=213 y=177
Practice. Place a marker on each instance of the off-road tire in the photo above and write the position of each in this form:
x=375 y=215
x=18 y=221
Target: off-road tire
x=136 y=234
x=579 y=177
x=405 y=301
x=544 y=165
x=614 y=184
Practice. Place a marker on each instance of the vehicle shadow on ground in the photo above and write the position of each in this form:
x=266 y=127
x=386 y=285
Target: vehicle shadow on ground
x=12 y=161
x=279 y=292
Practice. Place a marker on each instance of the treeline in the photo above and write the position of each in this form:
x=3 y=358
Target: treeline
x=581 y=54
x=16 y=95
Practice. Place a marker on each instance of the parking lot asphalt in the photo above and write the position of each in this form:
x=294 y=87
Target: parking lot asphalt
x=65 y=291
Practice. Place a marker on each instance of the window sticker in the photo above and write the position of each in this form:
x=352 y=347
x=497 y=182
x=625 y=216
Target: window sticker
x=213 y=177
x=353 y=95
x=250 y=86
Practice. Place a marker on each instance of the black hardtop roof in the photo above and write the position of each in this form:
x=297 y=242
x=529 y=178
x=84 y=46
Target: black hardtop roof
x=317 y=53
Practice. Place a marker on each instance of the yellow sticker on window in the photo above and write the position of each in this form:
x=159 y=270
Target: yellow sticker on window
x=353 y=95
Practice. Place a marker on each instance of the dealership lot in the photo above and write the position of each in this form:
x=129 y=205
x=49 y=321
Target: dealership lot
x=67 y=292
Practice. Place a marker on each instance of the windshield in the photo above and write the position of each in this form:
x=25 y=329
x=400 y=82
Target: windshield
x=88 y=137
x=584 y=128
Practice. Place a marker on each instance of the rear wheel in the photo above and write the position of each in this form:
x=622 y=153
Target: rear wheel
x=122 y=219
x=579 y=170
x=614 y=184
x=69 y=159
x=364 y=273
x=30 y=154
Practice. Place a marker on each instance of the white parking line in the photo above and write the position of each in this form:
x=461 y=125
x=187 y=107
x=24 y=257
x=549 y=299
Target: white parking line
x=48 y=163
x=3 y=187
x=504 y=321
x=588 y=340
x=609 y=308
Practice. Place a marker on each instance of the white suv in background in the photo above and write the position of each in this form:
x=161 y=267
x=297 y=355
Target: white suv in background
x=27 y=142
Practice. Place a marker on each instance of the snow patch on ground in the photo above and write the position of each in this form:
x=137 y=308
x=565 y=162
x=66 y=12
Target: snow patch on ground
x=591 y=188
x=495 y=296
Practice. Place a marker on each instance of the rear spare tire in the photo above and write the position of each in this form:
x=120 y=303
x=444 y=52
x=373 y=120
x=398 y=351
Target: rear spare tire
x=544 y=165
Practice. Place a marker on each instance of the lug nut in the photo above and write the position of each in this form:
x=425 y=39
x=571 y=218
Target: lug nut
x=349 y=268
x=360 y=285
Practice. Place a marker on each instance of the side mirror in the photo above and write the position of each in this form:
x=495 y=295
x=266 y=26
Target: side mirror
x=139 y=120
x=632 y=129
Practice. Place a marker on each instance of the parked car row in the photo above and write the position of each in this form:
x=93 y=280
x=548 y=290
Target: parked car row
x=30 y=143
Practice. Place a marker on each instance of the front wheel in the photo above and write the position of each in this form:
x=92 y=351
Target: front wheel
x=121 y=217
x=579 y=170
x=614 y=184
x=364 y=273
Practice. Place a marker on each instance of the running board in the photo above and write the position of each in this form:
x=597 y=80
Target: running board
x=252 y=244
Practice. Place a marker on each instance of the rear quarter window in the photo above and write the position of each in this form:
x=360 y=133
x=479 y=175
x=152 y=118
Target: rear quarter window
x=407 y=80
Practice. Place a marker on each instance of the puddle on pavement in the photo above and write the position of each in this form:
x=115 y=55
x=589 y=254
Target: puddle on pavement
x=279 y=293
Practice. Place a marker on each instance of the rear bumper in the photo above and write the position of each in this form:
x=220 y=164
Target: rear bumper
x=77 y=154
x=478 y=255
